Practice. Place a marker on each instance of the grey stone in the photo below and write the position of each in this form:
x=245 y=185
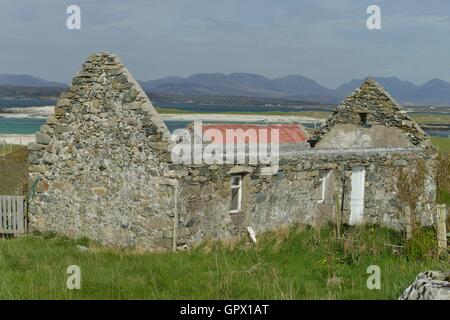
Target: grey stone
x=130 y=95
x=63 y=103
x=42 y=138
x=82 y=248
x=429 y=285
x=35 y=147
x=260 y=197
x=164 y=243
x=241 y=169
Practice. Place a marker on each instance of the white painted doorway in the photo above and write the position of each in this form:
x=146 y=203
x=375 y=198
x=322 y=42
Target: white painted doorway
x=357 y=196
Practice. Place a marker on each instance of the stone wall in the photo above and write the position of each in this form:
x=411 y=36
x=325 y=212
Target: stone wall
x=291 y=194
x=381 y=109
x=100 y=160
x=105 y=172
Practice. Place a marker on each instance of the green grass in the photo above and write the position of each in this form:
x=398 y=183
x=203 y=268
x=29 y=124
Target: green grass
x=6 y=148
x=443 y=144
x=431 y=118
x=296 y=263
x=172 y=110
x=444 y=197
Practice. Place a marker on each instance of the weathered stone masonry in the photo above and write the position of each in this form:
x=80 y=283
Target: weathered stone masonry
x=104 y=166
x=292 y=194
x=101 y=160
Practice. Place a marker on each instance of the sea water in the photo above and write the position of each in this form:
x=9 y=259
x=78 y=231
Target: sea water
x=25 y=125
x=10 y=125
x=29 y=125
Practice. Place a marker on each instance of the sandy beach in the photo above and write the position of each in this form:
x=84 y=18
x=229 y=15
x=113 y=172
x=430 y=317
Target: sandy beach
x=23 y=139
x=43 y=112
x=238 y=117
x=29 y=112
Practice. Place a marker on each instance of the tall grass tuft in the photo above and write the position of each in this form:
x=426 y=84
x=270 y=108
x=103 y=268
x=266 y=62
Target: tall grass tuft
x=422 y=245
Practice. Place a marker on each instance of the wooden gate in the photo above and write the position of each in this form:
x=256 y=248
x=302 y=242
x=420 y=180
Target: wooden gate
x=12 y=215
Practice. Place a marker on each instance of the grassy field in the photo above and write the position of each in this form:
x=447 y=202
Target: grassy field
x=296 y=263
x=13 y=170
x=431 y=118
x=8 y=148
x=299 y=263
x=443 y=144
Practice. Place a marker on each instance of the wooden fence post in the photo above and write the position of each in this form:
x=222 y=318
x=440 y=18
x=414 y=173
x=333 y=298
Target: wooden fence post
x=408 y=223
x=337 y=215
x=442 y=228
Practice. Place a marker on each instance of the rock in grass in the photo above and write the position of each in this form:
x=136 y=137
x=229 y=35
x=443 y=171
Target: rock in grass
x=82 y=248
x=429 y=285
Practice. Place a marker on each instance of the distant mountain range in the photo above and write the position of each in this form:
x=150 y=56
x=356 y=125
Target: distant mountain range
x=293 y=87
x=24 y=80
x=296 y=87
x=433 y=92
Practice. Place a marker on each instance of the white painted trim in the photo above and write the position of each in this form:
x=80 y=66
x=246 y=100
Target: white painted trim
x=252 y=234
x=357 y=195
x=323 y=183
x=239 y=187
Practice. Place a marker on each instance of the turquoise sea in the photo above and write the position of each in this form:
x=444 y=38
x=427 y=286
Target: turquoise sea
x=31 y=125
x=23 y=103
x=22 y=125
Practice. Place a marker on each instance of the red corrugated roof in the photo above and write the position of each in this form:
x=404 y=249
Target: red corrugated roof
x=288 y=133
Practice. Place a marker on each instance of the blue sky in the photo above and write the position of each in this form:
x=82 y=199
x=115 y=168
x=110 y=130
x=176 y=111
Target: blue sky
x=326 y=40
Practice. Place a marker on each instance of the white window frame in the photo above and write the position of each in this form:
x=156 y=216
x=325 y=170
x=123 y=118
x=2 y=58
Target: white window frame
x=239 y=187
x=324 y=176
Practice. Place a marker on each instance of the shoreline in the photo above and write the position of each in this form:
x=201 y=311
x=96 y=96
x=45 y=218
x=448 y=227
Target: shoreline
x=28 y=112
x=46 y=111
x=20 y=139
x=42 y=112
x=427 y=121
x=222 y=117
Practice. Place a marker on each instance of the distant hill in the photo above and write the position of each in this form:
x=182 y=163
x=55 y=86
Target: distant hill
x=435 y=92
x=292 y=88
x=295 y=87
x=242 y=84
x=23 y=80
x=30 y=92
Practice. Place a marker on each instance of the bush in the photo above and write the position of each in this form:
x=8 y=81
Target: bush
x=422 y=245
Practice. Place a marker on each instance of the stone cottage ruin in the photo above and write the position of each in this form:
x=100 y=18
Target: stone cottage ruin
x=103 y=169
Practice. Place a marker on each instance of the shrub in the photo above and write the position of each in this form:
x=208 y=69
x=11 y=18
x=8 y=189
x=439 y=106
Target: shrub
x=422 y=245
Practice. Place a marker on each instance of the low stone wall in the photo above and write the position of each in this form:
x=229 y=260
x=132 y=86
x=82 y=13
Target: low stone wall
x=291 y=194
